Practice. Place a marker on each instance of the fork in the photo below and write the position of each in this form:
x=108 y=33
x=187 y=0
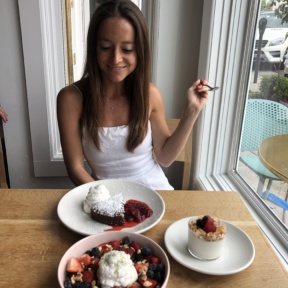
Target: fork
x=211 y=88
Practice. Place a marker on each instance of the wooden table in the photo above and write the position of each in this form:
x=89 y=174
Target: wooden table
x=33 y=239
x=273 y=153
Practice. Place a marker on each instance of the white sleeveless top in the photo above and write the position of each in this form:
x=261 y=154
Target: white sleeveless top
x=114 y=161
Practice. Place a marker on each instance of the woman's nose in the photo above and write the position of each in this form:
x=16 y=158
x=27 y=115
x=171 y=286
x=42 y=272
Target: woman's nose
x=117 y=56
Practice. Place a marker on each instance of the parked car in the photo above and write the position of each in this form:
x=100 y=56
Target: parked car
x=274 y=41
x=286 y=65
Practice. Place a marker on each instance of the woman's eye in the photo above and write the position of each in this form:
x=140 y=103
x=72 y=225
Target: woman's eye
x=105 y=48
x=128 y=50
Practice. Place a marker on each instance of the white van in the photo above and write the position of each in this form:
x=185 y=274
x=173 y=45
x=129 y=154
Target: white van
x=274 y=41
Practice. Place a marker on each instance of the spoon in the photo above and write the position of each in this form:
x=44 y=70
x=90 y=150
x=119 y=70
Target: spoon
x=210 y=88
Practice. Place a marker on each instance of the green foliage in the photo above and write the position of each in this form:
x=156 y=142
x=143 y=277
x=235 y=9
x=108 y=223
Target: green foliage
x=274 y=88
x=282 y=10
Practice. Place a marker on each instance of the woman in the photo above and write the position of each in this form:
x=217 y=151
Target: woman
x=113 y=116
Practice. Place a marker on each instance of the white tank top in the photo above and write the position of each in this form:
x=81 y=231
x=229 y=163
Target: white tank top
x=114 y=161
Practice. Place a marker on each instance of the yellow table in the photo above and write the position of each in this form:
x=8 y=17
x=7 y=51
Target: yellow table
x=33 y=239
x=273 y=153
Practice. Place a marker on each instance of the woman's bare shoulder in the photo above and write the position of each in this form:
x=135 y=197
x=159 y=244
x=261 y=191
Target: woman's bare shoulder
x=70 y=93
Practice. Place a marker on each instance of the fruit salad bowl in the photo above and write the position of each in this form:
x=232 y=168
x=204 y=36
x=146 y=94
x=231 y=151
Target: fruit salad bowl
x=86 y=255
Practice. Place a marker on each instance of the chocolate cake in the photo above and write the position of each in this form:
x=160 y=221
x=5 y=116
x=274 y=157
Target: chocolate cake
x=110 y=211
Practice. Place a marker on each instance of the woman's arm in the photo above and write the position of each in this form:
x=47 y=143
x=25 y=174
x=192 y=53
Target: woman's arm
x=69 y=108
x=166 y=146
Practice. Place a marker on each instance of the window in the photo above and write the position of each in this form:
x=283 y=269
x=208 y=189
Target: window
x=226 y=59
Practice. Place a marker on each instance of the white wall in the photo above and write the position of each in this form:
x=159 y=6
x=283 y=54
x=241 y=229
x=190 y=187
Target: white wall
x=14 y=99
x=179 y=41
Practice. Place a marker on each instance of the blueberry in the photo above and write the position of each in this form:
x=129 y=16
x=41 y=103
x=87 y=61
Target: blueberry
x=150 y=274
x=146 y=251
x=127 y=240
x=152 y=266
x=96 y=252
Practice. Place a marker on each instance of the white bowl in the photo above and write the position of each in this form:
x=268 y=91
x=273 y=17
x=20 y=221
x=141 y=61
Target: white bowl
x=89 y=242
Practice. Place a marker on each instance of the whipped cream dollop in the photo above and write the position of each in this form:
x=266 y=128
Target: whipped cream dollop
x=96 y=194
x=116 y=269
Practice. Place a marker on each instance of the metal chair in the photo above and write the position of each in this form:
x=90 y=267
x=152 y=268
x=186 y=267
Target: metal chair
x=263 y=119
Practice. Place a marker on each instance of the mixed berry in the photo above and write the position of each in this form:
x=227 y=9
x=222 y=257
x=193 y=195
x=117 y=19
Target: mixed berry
x=206 y=224
x=137 y=211
x=82 y=272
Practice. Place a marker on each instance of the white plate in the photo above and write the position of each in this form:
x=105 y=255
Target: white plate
x=71 y=213
x=238 y=253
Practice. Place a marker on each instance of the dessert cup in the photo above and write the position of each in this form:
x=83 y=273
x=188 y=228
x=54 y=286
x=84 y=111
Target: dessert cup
x=205 y=246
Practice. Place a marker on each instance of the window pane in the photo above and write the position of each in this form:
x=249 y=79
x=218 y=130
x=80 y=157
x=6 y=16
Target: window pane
x=263 y=162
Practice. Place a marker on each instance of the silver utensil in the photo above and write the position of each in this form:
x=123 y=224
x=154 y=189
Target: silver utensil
x=211 y=88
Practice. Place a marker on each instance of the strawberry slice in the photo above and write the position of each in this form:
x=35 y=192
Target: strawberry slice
x=209 y=225
x=88 y=276
x=74 y=265
x=85 y=259
x=139 y=266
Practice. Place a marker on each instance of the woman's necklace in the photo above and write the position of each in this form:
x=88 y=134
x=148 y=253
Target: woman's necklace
x=114 y=107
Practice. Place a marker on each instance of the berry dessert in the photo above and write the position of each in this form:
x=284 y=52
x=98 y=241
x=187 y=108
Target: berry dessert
x=206 y=237
x=115 y=264
x=110 y=211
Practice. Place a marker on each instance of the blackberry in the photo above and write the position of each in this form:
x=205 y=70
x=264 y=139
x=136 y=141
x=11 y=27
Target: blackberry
x=160 y=268
x=96 y=252
x=200 y=223
x=137 y=257
x=127 y=240
x=85 y=284
x=158 y=276
x=146 y=251
x=204 y=219
x=89 y=252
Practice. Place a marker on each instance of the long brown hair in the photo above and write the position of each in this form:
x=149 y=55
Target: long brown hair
x=136 y=84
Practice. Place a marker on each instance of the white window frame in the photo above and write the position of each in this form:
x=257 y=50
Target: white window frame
x=227 y=63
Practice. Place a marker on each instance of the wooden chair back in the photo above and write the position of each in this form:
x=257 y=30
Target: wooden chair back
x=185 y=156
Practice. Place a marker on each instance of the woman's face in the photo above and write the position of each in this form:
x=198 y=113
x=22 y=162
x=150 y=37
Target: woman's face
x=116 y=51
